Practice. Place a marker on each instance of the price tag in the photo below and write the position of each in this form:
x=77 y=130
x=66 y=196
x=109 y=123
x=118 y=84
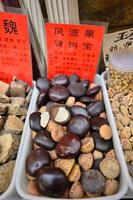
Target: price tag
x=15 y=54
x=73 y=49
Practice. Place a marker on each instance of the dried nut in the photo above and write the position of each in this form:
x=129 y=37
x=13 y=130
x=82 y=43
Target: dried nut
x=4 y=87
x=65 y=165
x=97 y=154
x=103 y=115
x=33 y=133
x=115 y=110
x=51 y=125
x=9 y=144
x=85 y=160
x=91 y=195
x=70 y=101
x=3 y=108
x=42 y=109
x=87 y=145
x=110 y=168
x=105 y=132
x=124 y=110
x=111 y=187
x=131 y=140
x=32 y=188
x=53 y=155
x=124 y=120
x=17 y=89
x=119 y=125
x=131 y=124
x=59 y=114
x=130 y=108
x=6 y=171
x=75 y=174
x=78 y=103
x=125 y=133
x=110 y=154
x=126 y=144
x=4 y=98
x=2 y=120
x=76 y=190
x=131 y=129
x=99 y=96
x=57 y=133
x=115 y=104
x=14 y=124
x=128 y=155
x=44 y=119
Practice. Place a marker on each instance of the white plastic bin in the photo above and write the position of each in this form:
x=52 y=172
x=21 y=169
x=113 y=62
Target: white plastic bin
x=128 y=178
x=21 y=180
x=11 y=190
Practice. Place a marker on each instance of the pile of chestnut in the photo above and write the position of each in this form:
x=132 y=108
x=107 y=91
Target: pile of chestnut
x=73 y=155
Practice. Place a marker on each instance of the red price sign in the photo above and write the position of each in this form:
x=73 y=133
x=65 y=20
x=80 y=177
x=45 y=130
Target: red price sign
x=15 y=54
x=73 y=49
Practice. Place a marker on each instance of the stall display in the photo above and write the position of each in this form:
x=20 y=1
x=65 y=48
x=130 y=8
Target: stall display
x=14 y=101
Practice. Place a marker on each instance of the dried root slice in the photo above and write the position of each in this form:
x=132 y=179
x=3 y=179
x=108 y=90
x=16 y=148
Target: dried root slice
x=8 y=147
x=6 y=171
x=65 y=165
x=14 y=124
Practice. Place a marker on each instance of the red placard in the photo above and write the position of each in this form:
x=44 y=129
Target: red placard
x=73 y=49
x=15 y=54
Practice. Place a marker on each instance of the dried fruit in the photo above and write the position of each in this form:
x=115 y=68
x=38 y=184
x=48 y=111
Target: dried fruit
x=65 y=165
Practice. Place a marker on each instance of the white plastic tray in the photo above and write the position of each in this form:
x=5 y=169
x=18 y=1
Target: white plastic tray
x=11 y=190
x=128 y=178
x=21 y=180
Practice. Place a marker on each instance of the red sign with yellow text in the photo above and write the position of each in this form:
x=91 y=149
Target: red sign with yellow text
x=15 y=54
x=73 y=49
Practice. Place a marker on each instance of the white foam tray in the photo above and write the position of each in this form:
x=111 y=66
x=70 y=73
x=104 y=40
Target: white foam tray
x=128 y=178
x=11 y=191
x=21 y=179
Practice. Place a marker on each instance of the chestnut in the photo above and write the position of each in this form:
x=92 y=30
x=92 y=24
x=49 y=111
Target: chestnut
x=77 y=89
x=58 y=93
x=42 y=99
x=51 y=181
x=36 y=160
x=97 y=122
x=96 y=108
x=78 y=110
x=68 y=146
x=43 y=84
x=34 y=121
x=59 y=79
x=91 y=92
x=44 y=139
x=87 y=100
x=79 y=125
x=74 y=78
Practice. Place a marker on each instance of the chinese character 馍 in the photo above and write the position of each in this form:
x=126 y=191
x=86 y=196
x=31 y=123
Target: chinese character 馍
x=58 y=43
x=10 y=26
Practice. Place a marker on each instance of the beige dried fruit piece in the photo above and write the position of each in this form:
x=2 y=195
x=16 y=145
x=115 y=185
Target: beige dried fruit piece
x=97 y=154
x=33 y=134
x=8 y=146
x=126 y=144
x=99 y=96
x=85 y=161
x=4 y=87
x=75 y=173
x=65 y=165
x=53 y=154
x=44 y=119
x=42 y=109
x=115 y=110
x=131 y=129
x=105 y=132
x=110 y=168
x=6 y=172
x=32 y=188
x=78 y=103
x=115 y=104
x=57 y=133
x=87 y=145
x=76 y=191
x=70 y=101
x=125 y=120
x=51 y=125
x=110 y=154
x=14 y=124
x=4 y=98
x=128 y=154
x=111 y=187
x=125 y=133
x=124 y=110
